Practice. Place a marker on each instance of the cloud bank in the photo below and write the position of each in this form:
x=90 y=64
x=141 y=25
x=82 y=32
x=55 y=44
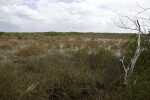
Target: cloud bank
x=65 y=15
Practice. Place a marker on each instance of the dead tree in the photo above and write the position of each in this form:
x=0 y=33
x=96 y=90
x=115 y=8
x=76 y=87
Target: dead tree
x=129 y=68
x=145 y=24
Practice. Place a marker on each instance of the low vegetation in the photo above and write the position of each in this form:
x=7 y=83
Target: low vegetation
x=83 y=67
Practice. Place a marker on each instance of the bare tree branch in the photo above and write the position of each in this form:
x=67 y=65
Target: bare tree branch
x=143 y=9
x=141 y=25
x=129 y=69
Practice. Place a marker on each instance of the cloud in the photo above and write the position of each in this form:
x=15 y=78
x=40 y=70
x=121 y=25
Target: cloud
x=64 y=15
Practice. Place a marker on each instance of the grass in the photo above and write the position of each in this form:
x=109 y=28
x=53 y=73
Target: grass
x=52 y=43
x=86 y=70
x=80 y=76
x=31 y=50
x=5 y=46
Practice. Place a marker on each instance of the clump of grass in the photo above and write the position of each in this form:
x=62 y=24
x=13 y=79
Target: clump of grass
x=93 y=44
x=19 y=37
x=115 y=46
x=5 y=46
x=34 y=49
x=102 y=51
x=67 y=45
x=8 y=83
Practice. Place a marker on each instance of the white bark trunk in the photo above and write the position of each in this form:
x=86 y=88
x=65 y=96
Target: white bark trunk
x=129 y=69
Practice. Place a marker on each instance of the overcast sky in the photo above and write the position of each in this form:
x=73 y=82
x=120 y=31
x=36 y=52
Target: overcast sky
x=65 y=15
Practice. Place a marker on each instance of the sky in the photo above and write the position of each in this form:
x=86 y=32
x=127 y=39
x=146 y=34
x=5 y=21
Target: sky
x=66 y=15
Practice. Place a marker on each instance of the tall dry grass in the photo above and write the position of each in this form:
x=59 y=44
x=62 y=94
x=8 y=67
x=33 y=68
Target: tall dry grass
x=79 y=76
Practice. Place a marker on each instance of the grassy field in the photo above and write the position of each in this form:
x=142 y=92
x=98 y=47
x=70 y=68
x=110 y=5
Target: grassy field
x=22 y=45
x=66 y=66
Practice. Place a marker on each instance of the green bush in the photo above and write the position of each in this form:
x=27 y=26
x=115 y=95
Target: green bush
x=2 y=33
x=20 y=37
x=102 y=51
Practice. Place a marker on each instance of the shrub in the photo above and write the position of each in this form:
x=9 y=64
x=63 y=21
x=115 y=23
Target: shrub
x=102 y=51
x=79 y=53
x=2 y=33
x=20 y=37
x=58 y=76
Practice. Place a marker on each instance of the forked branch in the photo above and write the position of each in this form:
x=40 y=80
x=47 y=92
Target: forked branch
x=129 y=69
